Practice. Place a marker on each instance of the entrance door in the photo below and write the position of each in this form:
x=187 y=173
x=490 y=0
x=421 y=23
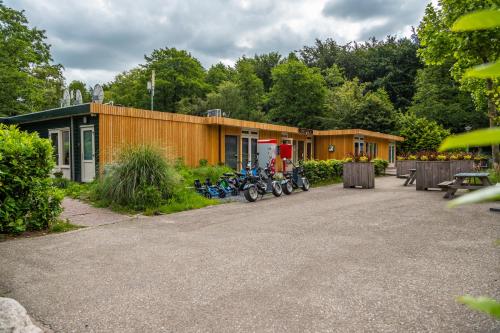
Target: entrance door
x=392 y=154
x=231 y=151
x=249 y=146
x=88 y=153
x=61 y=145
x=300 y=150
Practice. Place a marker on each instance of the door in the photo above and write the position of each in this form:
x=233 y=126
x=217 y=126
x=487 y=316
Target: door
x=300 y=150
x=231 y=151
x=88 y=153
x=61 y=144
x=249 y=146
x=392 y=154
x=309 y=150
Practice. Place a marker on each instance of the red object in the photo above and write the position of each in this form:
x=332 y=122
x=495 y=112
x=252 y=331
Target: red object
x=267 y=141
x=286 y=151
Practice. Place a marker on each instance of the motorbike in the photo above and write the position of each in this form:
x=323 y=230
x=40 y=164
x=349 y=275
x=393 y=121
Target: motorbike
x=294 y=179
x=260 y=181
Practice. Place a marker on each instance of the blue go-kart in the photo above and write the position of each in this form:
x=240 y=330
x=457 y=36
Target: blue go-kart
x=208 y=190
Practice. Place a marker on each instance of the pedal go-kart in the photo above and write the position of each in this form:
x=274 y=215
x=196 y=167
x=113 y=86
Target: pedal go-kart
x=294 y=179
x=208 y=190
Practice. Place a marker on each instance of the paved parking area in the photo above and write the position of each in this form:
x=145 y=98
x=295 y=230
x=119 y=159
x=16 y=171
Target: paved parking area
x=385 y=260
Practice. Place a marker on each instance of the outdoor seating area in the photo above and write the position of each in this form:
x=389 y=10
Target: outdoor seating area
x=465 y=181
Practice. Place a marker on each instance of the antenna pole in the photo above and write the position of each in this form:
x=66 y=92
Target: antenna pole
x=152 y=88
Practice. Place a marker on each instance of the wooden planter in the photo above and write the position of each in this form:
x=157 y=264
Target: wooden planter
x=358 y=174
x=431 y=173
x=403 y=167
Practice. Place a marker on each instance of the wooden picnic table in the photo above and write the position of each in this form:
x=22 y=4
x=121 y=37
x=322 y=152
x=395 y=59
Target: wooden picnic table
x=465 y=181
x=410 y=179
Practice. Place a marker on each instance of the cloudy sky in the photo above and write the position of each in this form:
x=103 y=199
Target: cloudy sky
x=96 y=39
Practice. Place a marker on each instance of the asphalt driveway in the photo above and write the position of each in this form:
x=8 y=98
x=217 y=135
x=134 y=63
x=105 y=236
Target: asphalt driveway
x=385 y=260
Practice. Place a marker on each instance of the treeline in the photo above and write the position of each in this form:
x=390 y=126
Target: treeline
x=376 y=85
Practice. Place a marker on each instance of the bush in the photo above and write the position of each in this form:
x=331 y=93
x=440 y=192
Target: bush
x=380 y=165
x=141 y=173
x=28 y=198
x=322 y=171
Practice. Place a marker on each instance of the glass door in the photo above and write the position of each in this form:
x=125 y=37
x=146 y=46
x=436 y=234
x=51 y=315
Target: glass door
x=231 y=151
x=88 y=153
x=61 y=145
x=392 y=154
x=249 y=146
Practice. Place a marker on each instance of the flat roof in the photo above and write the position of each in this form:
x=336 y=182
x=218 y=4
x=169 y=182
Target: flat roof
x=88 y=108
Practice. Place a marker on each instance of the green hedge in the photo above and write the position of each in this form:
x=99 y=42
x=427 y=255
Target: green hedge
x=380 y=166
x=28 y=198
x=322 y=171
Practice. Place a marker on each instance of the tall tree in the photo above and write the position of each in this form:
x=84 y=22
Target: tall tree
x=29 y=80
x=298 y=94
x=439 y=98
x=79 y=85
x=178 y=75
x=251 y=90
x=219 y=73
x=263 y=66
x=465 y=49
x=129 y=89
x=419 y=133
x=353 y=106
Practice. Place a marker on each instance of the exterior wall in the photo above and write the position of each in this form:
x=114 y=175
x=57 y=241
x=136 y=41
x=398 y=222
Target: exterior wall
x=43 y=127
x=343 y=145
x=177 y=139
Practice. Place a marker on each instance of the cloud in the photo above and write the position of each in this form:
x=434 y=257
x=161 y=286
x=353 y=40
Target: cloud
x=96 y=39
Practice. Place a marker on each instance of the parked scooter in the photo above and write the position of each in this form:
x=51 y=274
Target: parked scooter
x=260 y=182
x=294 y=179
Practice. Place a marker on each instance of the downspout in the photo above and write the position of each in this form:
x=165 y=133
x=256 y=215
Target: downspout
x=72 y=145
x=220 y=144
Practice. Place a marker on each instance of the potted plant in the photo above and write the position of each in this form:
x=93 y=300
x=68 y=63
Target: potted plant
x=434 y=168
x=404 y=163
x=358 y=172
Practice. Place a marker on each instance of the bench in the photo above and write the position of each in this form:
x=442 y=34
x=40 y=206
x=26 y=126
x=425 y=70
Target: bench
x=465 y=181
x=410 y=178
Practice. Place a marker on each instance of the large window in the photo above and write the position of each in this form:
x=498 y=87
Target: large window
x=372 y=149
x=359 y=145
x=61 y=145
x=249 y=146
x=231 y=151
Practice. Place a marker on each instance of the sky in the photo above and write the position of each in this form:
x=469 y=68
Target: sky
x=96 y=39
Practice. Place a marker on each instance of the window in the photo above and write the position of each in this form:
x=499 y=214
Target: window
x=61 y=144
x=359 y=145
x=372 y=149
x=249 y=146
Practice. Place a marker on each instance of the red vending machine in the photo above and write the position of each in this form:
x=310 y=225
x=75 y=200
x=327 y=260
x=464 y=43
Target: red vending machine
x=286 y=153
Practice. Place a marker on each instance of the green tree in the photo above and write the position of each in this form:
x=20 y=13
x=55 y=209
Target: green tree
x=219 y=73
x=334 y=76
x=298 y=95
x=178 y=75
x=353 y=106
x=28 y=79
x=263 y=66
x=129 y=89
x=79 y=85
x=439 y=98
x=439 y=44
x=419 y=133
x=251 y=90
x=229 y=99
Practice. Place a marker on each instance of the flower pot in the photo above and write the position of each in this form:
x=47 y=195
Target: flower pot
x=431 y=173
x=403 y=167
x=359 y=174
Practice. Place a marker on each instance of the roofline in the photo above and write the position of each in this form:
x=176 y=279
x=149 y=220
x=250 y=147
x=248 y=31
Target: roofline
x=357 y=131
x=55 y=113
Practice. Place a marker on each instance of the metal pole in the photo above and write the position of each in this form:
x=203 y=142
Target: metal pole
x=152 y=88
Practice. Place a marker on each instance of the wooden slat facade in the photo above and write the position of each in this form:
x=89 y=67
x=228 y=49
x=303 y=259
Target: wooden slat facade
x=193 y=138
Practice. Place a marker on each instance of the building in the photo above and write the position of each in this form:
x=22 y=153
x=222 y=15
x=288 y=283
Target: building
x=86 y=137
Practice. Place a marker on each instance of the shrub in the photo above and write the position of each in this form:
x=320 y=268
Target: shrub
x=28 y=198
x=322 y=171
x=380 y=165
x=140 y=171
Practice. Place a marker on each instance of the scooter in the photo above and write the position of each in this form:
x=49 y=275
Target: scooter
x=294 y=179
x=261 y=182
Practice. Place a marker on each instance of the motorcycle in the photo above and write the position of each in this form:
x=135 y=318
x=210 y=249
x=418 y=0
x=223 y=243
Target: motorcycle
x=294 y=179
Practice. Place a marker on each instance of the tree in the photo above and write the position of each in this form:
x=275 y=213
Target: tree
x=439 y=98
x=263 y=66
x=29 y=81
x=298 y=95
x=178 y=75
x=129 y=89
x=465 y=49
x=334 y=76
x=79 y=85
x=229 y=99
x=251 y=90
x=419 y=133
x=353 y=106
x=219 y=73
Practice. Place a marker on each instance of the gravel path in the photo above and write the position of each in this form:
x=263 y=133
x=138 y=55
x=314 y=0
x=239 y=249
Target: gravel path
x=344 y=260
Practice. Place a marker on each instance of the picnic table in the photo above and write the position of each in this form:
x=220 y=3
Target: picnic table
x=465 y=181
x=410 y=178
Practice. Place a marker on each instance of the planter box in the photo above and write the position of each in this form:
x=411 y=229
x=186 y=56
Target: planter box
x=359 y=175
x=403 y=167
x=431 y=173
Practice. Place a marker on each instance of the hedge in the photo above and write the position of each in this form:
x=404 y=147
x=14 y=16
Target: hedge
x=380 y=165
x=320 y=171
x=28 y=198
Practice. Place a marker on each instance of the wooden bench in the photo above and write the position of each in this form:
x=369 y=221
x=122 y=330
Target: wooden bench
x=465 y=181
